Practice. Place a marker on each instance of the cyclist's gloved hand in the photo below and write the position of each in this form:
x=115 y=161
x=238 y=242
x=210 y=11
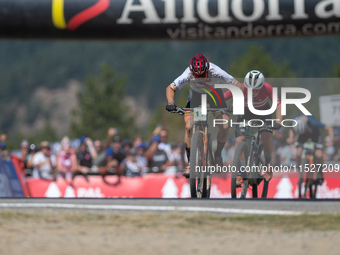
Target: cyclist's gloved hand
x=230 y=108
x=170 y=107
x=276 y=126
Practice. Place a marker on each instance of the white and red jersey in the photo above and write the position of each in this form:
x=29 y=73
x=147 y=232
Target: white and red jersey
x=215 y=75
x=261 y=101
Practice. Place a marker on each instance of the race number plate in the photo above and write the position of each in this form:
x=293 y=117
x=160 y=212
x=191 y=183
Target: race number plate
x=198 y=116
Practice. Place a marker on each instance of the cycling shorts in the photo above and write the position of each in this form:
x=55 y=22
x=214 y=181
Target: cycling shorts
x=314 y=136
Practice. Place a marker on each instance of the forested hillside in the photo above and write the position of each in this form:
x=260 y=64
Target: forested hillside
x=148 y=66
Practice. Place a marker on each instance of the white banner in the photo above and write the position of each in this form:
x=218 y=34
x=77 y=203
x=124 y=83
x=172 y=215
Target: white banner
x=330 y=110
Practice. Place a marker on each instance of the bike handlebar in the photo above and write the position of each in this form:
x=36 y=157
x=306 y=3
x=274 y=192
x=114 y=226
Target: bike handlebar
x=229 y=109
x=276 y=126
x=181 y=111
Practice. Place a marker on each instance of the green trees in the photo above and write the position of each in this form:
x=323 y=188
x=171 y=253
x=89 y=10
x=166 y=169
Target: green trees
x=101 y=105
x=256 y=58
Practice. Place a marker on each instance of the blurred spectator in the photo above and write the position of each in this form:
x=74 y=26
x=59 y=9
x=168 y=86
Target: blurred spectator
x=157 y=159
x=84 y=156
x=66 y=158
x=279 y=143
x=336 y=145
x=90 y=147
x=130 y=165
x=177 y=156
x=164 y=145
x=26 y=156
x=141 y=155
x=156 y=131
x=3 y=150
x=126 y=146
x=111 y=132
x=2 y=146
x=137 y=142
x=44 y=162
x=3 y=137
x=31 y=152
x=287 y=154
x=110 y=164
x=98 y=145
x=4 y=153
x=24 y=152
x=279 y=136
x=118 y=153
x=228 y=152
x=329 y=150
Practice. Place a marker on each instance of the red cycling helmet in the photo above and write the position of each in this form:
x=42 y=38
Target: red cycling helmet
x=199 y=65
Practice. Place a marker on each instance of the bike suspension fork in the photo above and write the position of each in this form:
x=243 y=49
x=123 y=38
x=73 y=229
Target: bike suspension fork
x=251 y=152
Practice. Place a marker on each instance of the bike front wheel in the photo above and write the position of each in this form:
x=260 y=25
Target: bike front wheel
x=242 y=153
x=198 y=166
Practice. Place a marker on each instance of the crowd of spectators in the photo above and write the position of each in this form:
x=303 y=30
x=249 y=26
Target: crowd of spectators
x=285 y=153
x=114 y=156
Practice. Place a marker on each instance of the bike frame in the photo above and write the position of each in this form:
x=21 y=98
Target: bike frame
x=201 y=125
x=309 y=154
x=253 y=145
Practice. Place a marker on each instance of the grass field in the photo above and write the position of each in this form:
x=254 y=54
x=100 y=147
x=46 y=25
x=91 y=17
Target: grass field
x=106 y=232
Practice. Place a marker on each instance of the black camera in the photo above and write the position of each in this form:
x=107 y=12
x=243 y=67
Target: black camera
x=33 y=148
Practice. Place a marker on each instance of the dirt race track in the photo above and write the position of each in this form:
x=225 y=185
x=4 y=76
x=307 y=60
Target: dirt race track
x=68 y=231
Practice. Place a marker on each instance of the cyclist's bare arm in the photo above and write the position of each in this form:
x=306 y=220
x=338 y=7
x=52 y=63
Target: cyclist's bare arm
x=279 y=114
x=228 y=94
x=239 y=85
x=290 y=138
x=170 y=94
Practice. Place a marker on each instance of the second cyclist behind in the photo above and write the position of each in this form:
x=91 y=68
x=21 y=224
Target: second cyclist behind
x=308 y=128
x=261 y=95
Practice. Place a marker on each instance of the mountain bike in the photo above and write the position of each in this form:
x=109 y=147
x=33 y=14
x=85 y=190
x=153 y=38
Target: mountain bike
x=308 y=167
x=201 y=156
x=250 y=152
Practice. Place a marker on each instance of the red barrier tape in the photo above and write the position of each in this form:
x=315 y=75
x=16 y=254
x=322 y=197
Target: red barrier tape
x=163 y=186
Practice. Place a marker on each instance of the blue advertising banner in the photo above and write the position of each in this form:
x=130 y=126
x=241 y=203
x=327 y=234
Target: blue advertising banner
x=9 y=181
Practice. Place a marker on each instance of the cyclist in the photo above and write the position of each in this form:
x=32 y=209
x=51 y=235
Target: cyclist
x=201 y=74
x=308 y=128
x=262 y=93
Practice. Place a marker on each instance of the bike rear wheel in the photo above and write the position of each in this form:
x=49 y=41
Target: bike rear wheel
x=300 y=184
x=198 y=180
x=265 y=189
x=210 y=162
x=305 y=162
x=242 y=149
x=257 y=162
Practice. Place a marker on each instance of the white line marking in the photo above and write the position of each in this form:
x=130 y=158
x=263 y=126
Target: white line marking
x=150 y=208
